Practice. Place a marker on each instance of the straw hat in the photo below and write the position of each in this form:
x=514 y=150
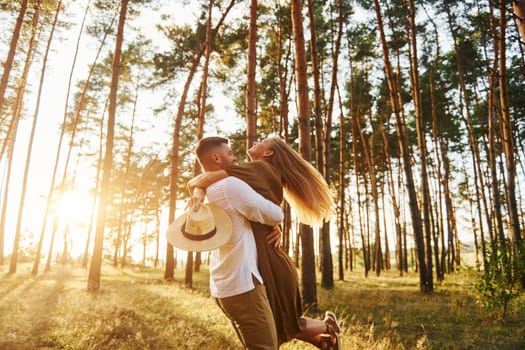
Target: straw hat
x=202 y=230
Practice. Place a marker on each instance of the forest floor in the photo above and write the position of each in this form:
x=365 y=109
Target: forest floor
x=136 y=309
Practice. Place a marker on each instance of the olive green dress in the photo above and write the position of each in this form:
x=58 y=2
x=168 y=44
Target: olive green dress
x=276 y=267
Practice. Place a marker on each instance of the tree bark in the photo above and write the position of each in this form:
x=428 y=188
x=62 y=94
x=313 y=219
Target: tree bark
x=342 y=190
x=96 y=262
x=325 y=254
x=97 y=192
x=519 y=11
x=8 y=64
x=282 y=59
x=125 y=204
x=309 y=289
x=424 y=284
x=479 y=181
x=17 y=114
x=35 y=116
x=170 y=261
x=368 y=151
x=439 y=155
x=251 y=96
x=422 y=147
x=508 y=147
x=59 y=147
x=201 y=107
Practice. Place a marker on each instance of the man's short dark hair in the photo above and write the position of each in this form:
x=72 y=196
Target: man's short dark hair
x=206 y=144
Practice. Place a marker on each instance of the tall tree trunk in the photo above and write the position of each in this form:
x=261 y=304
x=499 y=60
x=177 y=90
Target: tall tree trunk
x=96 y=262
x=508 y=147
x=16 y=117
x=425 y=285
x=13 y=125
x=170 y=262
x=422 y=147
x=284 y=93
x=368 y=150
x=51 y=245
x=327 y=267
x=350 y=256
x=284 y=90
x=494 y=146
x=59 y=147
x=438 y=145
x=317 y=96
x=125 y=204
x=342 y=170
x=96 y=191
x=402 y=123
x=441 y=157
x=75 y=127
x=474 y=229
x=366 y=226
x=309 y=289
x=479 y=181
x=203 y=103
x=325 y=254
x=386 y=259
x=355 y=137
x=201 y=107
x=8 y=64
x=251 y=96
x=393 y=197
x=157 y=238
x=318 y=113
x=169 y=271
x=80 y=106
x=35 y=116
x=519 y=11
x=5 y=197
x=342 y=190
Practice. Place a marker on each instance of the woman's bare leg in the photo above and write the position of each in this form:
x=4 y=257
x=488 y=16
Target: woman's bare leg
x=312 y=331
x=316 y=330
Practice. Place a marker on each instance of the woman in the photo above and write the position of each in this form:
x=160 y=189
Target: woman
x=275 y=167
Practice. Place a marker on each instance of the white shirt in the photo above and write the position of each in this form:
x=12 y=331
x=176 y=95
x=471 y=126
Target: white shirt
x=232 y=265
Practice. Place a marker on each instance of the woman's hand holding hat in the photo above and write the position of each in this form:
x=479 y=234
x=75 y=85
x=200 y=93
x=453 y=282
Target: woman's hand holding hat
x=197 y=198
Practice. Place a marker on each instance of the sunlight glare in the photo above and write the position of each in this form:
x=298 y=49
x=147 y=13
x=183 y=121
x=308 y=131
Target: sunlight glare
x=74 y=208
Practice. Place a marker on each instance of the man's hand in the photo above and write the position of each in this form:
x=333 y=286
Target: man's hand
x=197 y=198
x=274 y=237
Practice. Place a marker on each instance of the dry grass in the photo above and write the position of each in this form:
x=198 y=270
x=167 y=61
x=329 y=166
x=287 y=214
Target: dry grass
x=136 y=309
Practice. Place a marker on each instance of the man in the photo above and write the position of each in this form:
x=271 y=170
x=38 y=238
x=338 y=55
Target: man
x=235 y=280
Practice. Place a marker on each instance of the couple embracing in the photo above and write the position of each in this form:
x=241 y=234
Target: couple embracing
x=252 y=279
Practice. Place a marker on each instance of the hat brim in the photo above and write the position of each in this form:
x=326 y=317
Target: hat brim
x=222 y=236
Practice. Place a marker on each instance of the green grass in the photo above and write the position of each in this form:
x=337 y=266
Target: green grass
x=136 y=309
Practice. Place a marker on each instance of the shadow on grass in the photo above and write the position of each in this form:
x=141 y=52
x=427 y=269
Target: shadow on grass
x=55 y=311
x=26 y=310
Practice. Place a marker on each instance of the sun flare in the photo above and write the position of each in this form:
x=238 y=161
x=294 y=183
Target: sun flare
x=74 y=208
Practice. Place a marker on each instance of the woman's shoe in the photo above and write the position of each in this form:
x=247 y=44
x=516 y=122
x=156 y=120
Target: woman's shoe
x=332 y=326
x=333 y=329
x=328 y=342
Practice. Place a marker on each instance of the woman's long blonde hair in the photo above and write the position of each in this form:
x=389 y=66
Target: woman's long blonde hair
x=305 y=189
